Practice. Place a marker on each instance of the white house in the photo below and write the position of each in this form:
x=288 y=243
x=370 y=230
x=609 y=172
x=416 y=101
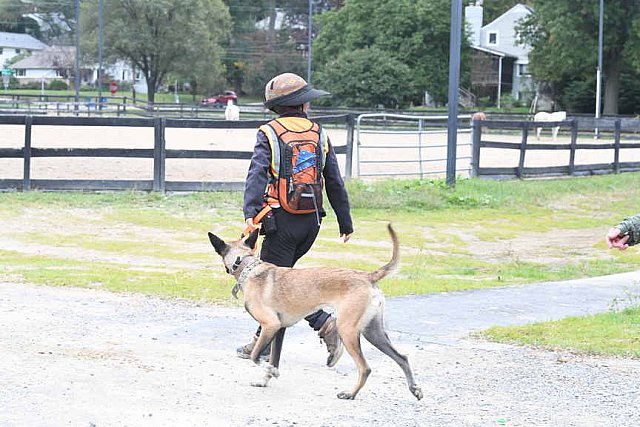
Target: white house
x=500 y=63
x=58 y=63
x=14 y=44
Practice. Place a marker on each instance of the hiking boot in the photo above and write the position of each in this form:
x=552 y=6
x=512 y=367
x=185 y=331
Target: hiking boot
x=244 y=352
x=329 y=334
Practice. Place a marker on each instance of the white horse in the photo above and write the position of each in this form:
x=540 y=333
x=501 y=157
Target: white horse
x=542 y=116
x=232 y=112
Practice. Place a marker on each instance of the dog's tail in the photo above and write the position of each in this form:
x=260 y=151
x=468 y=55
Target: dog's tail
x=383 y=271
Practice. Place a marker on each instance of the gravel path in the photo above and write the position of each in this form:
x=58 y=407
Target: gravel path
x=84 y=357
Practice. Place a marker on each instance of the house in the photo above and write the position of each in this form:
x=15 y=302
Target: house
x=499 y=63
x=14 y=44
x=52 y=63
x=58 y=63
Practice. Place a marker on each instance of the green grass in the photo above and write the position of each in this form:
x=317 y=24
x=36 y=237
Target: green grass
x=164 y=97
x=197 y=284
x=451 y=239
x=616 y=333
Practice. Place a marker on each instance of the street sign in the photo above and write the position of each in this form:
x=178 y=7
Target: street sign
x=113 y=87
x=6 y=77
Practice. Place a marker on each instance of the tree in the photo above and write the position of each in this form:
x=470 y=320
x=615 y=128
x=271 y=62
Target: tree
x=46 y=20
x=412 y=32
x=163 y=36
x=564 y=38
x=360 y=78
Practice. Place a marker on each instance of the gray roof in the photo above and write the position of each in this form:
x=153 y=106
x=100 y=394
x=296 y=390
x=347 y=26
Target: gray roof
x=53 y=57
x=20 y=41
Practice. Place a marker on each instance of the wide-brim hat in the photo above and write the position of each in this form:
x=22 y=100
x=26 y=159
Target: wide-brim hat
x=290 y=90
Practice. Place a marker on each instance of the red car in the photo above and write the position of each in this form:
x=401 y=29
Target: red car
x=221 y=99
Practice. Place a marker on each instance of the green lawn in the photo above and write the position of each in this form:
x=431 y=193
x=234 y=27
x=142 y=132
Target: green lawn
x=616 y=333
x=483 y=234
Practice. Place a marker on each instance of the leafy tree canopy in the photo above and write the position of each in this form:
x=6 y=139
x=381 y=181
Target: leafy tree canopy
x=361 y=78
x=51 y=21
x=163 y=36
x=410 y=32
x=564 y=38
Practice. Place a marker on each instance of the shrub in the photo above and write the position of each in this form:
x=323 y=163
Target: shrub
x=58 y=85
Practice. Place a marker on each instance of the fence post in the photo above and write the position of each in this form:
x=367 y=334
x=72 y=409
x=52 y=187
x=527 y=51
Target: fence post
x=26 y=153
x=616 y=145
x=349 y=160
x=572 y=152
x=476 y=137
x=159 y=155
x=523 y=148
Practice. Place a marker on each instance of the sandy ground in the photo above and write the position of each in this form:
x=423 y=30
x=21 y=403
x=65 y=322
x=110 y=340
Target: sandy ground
x=398 y=153
x=85 y=357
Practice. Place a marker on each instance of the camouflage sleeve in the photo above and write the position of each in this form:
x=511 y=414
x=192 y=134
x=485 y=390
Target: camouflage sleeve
x=631 y=226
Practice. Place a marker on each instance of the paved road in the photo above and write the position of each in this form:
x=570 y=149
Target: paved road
x=448 y=316
x=83 y=357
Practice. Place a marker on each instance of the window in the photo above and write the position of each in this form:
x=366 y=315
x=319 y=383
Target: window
x=0 y=51
x=523 y=70
x=493 y=37
x=17 y=51
x=20 y=72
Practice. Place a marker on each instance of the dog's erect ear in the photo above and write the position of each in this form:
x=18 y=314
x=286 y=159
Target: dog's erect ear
x=252 y=239
x=218 y=244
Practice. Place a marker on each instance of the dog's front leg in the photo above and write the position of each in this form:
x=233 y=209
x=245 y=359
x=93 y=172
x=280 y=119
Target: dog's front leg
x=270 y=372
x=267 y=337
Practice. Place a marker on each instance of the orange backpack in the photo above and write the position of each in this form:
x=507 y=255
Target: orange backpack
x=298 y=153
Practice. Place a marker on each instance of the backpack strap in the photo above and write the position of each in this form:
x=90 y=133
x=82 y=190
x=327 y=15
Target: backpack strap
x=323 y=142
x=274 y=143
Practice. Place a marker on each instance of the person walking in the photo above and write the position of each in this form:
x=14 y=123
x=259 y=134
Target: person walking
x=294 y=160
x=625 y=234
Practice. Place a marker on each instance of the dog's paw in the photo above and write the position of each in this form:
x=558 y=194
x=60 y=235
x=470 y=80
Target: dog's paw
x=416 y=391
x=346 y=396
x=272 y=371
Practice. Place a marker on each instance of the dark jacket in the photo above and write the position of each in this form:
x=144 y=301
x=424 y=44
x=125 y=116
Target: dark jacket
x=260 y=173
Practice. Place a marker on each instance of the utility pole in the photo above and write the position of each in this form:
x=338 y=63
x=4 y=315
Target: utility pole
x=309 y=37
x=454 y=81
x=77 y=79
x=599 y=70
x=100 y=46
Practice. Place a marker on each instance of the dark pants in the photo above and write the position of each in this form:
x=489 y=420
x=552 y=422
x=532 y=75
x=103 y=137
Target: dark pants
x=294 y=237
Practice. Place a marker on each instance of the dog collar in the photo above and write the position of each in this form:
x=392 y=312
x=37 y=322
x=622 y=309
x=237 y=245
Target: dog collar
x=244 y=275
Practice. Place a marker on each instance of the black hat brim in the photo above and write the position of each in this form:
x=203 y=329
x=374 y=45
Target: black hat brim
x=299 y=97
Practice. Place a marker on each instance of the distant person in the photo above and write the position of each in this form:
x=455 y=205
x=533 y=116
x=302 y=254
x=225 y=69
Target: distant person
x=625 y=234
x=232 y=112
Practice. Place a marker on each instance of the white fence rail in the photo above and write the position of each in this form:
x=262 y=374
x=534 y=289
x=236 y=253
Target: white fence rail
x=408 y=145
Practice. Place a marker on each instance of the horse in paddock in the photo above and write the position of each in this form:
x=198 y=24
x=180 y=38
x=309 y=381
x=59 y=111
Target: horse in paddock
x=543 y=116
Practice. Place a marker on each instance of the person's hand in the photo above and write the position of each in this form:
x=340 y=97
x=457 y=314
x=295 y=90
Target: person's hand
x=615 y=240
x=250 y=225
x=345 y=237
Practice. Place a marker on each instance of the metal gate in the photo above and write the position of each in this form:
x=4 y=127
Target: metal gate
x=399 y=144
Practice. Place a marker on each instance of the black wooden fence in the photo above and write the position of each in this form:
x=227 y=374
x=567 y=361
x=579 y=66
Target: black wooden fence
x=159 y=153
x=622 y=133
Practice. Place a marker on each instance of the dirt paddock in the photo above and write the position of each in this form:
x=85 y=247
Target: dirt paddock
x=399 y=161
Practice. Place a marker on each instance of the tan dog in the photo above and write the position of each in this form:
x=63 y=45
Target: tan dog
x=278 y=297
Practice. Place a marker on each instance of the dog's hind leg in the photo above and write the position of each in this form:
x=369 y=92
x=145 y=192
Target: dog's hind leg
x=374 y=333
x=276 y=348
x=351 y=340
